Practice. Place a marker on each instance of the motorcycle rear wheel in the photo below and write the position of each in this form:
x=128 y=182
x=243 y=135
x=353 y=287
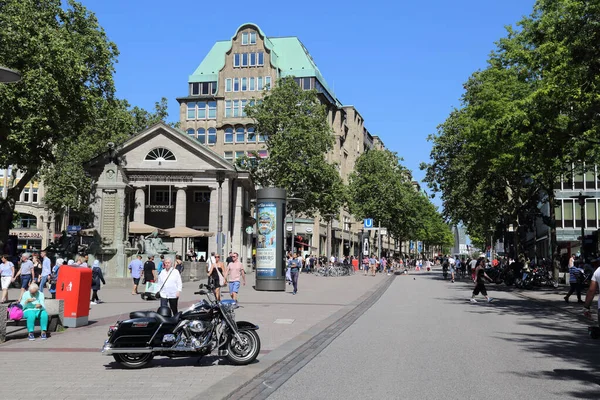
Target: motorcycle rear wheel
x=246 y=352
x=133 y=360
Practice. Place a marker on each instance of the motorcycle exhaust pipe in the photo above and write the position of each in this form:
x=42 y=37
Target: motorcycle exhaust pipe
x=122 y=350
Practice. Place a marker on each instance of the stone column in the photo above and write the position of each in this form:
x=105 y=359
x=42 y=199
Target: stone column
x=180 y=218
x=213 y=219
x=237 y=233
x=139 y=213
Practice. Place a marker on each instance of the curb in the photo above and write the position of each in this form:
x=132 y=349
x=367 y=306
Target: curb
x=227 y=387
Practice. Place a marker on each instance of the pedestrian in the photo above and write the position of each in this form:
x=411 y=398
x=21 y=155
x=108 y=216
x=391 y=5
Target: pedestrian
x=26 y=272
x=373 y=265
x=575 y=280
x=452 y=265
x=233 y=272
x=592 y=291
x=37 y=268
x=7 y=272
x=97 y=277
x=34 y=307
x=150 y=270
x=294 y=268
x=54 y=276
x=82 y=262
x=480 y=283
x=229 y=258
x=159 y=267
x=179 y=264
x=216 y=276
x=169 y=282
x=46 y=270
x=365 y=264
x=135 y=269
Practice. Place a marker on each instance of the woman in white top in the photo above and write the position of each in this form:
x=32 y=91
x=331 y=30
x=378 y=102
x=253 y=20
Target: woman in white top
x=169 y=282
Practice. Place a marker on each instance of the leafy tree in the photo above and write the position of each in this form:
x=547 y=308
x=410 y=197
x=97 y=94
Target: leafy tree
x=298 y=137
x=67 y=65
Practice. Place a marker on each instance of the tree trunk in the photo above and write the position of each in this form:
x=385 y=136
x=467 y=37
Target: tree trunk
x=7 y=207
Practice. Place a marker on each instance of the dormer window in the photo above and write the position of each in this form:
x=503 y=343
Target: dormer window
x=248 y=38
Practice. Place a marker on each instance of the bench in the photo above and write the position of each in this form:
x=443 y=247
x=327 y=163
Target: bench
x=54 y=308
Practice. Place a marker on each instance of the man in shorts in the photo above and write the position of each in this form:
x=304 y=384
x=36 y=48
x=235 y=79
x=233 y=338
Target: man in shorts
x=233 y=272
x=136 y=267
x=452 y=264
x=480 y=283
x=595 y=281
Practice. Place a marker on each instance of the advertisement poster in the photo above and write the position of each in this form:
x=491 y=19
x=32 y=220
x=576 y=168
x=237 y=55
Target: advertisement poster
x=266 y=251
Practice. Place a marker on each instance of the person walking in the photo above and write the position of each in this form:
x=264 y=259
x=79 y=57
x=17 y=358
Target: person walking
x=150 y=270
x=169 y=282
x=233 y=272
x=373 y=265
x=46 y=270
x=294 y=266
x=7 y=272
x=37 y=268
x=480 y=283
x=26 y=272
x=97 y=277
x=591 y=293
x=34 y=307
x=575 y=279
x=135 y=269
x=216 y=275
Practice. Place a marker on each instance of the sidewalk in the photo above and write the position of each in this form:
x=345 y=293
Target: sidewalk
x=72 y=366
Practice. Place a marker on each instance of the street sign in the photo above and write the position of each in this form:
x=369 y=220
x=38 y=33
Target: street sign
x=366 y=249
x=73 y=229
x=383 y=231
x=368 y=223
x=249 y=230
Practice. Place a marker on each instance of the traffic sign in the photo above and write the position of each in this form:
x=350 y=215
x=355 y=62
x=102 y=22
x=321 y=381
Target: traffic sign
x=368 y=223
x=366 y=245
x=73 y=229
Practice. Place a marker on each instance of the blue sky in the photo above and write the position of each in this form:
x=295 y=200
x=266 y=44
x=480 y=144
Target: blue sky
x=400 y=63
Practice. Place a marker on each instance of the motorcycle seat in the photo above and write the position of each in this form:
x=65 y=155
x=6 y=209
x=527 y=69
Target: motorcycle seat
x=156 y=316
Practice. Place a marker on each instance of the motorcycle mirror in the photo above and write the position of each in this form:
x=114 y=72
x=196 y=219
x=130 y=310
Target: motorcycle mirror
x=203 y=292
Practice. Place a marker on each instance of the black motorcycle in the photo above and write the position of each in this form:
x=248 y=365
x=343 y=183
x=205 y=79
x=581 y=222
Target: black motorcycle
x=204 y=328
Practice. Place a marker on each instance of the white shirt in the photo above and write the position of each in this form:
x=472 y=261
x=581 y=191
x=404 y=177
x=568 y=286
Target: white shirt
x=172 y=285
x=596 y=278
x=451 y=261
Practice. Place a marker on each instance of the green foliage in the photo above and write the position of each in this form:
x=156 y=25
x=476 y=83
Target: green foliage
x=298 y=137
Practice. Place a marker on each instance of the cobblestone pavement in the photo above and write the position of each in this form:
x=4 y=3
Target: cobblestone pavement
x=69 y=364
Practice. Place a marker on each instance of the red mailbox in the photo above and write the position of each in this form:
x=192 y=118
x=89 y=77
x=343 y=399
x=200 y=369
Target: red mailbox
x=73 y=286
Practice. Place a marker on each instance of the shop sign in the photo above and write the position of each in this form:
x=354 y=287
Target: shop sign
x=159 y=208
x=26 y=235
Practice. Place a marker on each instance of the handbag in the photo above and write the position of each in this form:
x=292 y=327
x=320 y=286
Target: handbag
x=157 y=295
x=221 y=278
x=15 y=312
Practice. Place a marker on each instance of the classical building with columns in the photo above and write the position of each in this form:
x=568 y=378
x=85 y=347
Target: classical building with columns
x=163 y=178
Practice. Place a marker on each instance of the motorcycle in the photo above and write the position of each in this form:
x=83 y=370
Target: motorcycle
x=204 y=328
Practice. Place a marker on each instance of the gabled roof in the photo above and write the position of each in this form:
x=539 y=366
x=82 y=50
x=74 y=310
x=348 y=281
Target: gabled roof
x=288 y=55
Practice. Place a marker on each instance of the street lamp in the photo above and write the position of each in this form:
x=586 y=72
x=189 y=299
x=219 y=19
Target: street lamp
x=581 y=198
x=9 y=76
x=296 y=200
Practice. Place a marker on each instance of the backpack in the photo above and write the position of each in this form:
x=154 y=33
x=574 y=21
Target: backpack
x=15 y=311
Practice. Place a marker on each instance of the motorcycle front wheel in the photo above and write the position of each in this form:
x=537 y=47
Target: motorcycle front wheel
x=245 y=352
x=133 y=360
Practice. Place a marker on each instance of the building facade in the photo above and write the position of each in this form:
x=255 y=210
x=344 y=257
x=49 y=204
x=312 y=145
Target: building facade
x=235 y=73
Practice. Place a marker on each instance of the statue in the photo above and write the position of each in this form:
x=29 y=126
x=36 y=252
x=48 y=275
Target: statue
x=154 y=245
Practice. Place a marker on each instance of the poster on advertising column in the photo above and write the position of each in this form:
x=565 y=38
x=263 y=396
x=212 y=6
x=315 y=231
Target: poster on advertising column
x=266 y=251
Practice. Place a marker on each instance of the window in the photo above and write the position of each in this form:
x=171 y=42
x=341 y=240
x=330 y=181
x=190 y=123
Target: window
x=263 y=153
x=260 y=84
x=244 y=59
x=229 y=135
x=240 y=135
x=191 y=110
x=239 y=154
x=228 y=85
x=252 y=59
x=577 y=208
x=212 y=136
x=236 y=84
x=201 y=110
x=227 y=108
x=236 y=60
x=202 y=135
x=252 y=37
x=261 y=138
x=590 y=179
x=568 y=213
x=558 y=214
x=160 y=154
x=261 y=58
x=1 y=191
x=212 y=110
x=244 y=39
x=25 y=195
x=162 y=196
x=236 y=108
x=195 y=89
x=201 y=197
x=228 y=156
x=244 y=84
x=213 y=89
x=205 y=88
x=590 y=213
x=191 y=132
x=251 y=135
x=268 y=82
x=27 y=221
x=306 y=84
x=34 y=196
x=252 y=86
x=578 y=177
x=243 y=105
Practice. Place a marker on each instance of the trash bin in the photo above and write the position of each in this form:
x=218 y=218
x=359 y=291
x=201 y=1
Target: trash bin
x=73 y=286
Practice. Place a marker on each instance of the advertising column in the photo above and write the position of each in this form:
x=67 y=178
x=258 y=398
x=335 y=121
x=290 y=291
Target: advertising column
x=270 y=256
